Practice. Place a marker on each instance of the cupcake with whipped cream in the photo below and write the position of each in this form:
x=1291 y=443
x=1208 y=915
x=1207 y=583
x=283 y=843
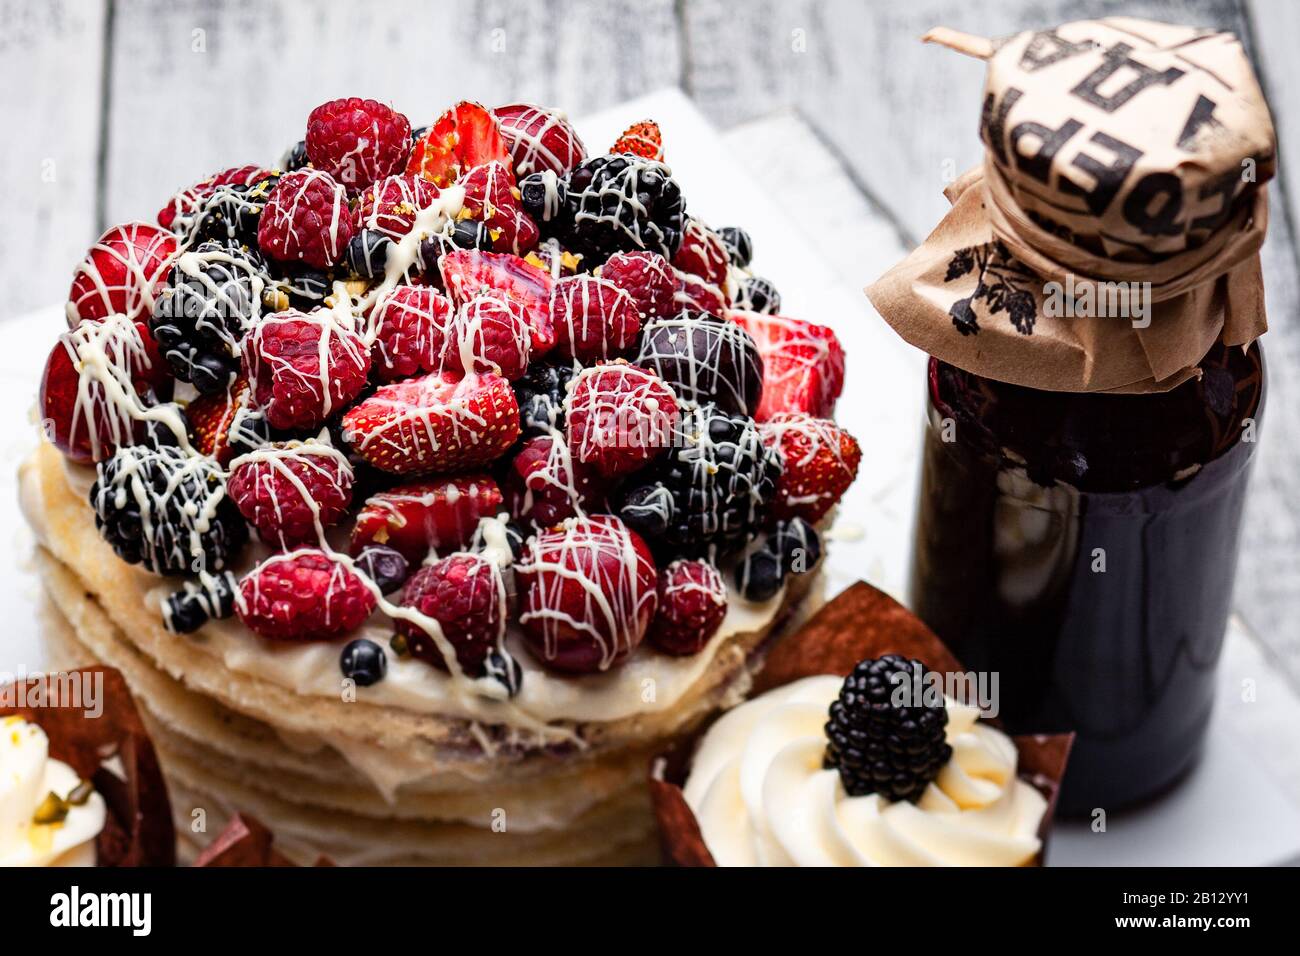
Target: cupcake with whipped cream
x=879 y=768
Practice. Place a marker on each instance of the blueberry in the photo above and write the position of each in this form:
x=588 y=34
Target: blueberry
x=383 y=565
x=504 y=669
x=367 y=254
x=757 y=294
x=543 y=195
x=759 y=575
x=471 y=234
x=295 y=158
x=647 y=510
x=191 y=607
x=364 y=661
x=739 y=247
x=797 y=544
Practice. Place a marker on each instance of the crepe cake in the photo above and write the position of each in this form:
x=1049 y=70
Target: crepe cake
x=425 y=485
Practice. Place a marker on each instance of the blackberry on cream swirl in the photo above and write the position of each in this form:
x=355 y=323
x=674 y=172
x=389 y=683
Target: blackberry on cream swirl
x=622 y=203
x=705 y=359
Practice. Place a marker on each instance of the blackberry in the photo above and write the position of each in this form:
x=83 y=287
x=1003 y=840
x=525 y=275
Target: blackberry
x=540 y=393
x=167 y=510
x=364 y=662
x=367 y=254
x=295 y=157
x=213 y=296
x=621 y=204
x=884 y=735
x=756 y=294
x=708 y=494
x=705 y=359
x=198 y=602
x=230 y=213
x=740 y=249
x=306 y=287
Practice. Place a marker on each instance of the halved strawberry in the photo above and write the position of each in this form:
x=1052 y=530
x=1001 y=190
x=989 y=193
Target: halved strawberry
x=820 y=462
x=465 y=136
x=437 y=422
x=225 y=424
x=467 y=272
x=439 y=514
x=803 y=364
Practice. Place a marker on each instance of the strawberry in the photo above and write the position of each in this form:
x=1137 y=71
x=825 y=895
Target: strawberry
x=225 y=425
x=438 y=514
x=619 y=416
x=702 y=253
x=492 y=198
x=587 y=591
x=438 y=422
x=642 y=139
x=696 y=295
x=820 y=462
x=465 y=136
x=540 y=140
x=489 y=333
x=546 y=484
x=410 y=326
x=123 y=272
x=593 y=317
x=803 y=364
x=466 y=272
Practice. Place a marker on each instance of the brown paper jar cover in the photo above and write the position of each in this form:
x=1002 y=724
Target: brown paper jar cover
x=862 y=622
x=138 y=828
x=1117 y=151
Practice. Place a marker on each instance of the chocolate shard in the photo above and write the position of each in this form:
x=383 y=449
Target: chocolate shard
x=246 y=841
x=138 y=830
x=862 y=622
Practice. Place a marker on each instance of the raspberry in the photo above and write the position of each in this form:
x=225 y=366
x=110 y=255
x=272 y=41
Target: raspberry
x=390 y=205
x=539 y=140
x=647 y=278
x=467 y=272
x=489 y=333
x=410 y=332
x=695 y=294
x=357 y=141
x=122 y=273
x=306 y=219
x=587 y=593
x=702 y=253
x=304 y=595
x=180 y=210
x=692 y=604
x=546 y=485
x=619 y=416
x=290 y=384
x=821 y=461
x=593 y=317
x=291 y=491
x=492 y=197
x=641 y=139
x=466 y=595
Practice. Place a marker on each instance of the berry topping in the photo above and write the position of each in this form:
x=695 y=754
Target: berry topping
x=386 y=567
x=304 y=595
x=492 y=198
x=622 y=203
x=694 y=294
x=821 y=460
x=702 y=253
x=705 y=359
x=436 y=515
x=692 y=604
x=539 y=139
x=541 y=393
x=759 y=576
x=304 y=367
x=756 y=294
x=465 y=136
x=367 y=254
x=647 y=278
x=223 y=426
x=410 y=326
x=791 y=547
x=619 y=416
x=593 y=318
x=543 y=196
x=489 y=333
x=587 y=594
x=546 y=485
x=182 y=211
x=641 y=139
x=122 y=273
x=389 y=207
x=803 y=364
x=213 y=298
x=95 y=388
x=740 y=248
x=291 y=491
x=467 y=272
x=364 y=662
x=295 y=157
x=166 y=510
x=879 y=744
x=188 y=609
x=466 y=594
x=357 y=141
x=306 y=219
x=438 y=422
x=709 y=494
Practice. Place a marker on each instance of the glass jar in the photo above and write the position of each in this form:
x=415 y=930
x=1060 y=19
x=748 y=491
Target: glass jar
x=1084 y=547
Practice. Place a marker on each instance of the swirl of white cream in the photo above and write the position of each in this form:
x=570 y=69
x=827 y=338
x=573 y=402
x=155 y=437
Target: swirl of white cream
x=27 y=775
x=761 y=796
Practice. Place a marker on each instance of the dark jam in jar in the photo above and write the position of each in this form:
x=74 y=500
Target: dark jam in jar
x=1084 y=547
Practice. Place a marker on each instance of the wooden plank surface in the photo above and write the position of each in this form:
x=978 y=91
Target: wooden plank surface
x=50 y=70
